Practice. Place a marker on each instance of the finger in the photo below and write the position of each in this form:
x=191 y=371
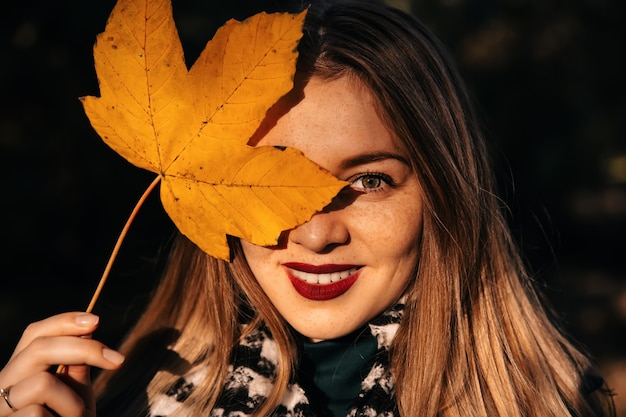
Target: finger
x=44 y=390
x=6 y=405
x=65 y=324
x=78 y=378
x=77 y=374
x=44 y=352
x=33 y=410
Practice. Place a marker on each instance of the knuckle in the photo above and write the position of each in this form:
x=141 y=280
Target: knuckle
x=43 y=382
x=32 y=330
x=33 y=350
x=81 y=405
x=47 y=325
x=39 y=344
x=34 y=410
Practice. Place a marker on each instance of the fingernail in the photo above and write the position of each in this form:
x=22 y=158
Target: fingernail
x=112 y=356
x=87 y=320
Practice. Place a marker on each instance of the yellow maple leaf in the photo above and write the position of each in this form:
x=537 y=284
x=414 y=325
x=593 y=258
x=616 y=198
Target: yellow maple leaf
x=191 y=127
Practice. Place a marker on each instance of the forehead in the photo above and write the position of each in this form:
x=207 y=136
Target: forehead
x=329 y=120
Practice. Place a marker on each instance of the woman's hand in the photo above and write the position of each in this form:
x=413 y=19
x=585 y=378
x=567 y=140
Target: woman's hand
x=63 y=339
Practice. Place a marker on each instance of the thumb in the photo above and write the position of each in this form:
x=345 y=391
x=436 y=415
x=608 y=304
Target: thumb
x=79 y=378
x=78 y=374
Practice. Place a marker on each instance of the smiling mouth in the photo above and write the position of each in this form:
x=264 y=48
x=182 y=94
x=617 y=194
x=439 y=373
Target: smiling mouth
x=326 y=278
x=323 y=282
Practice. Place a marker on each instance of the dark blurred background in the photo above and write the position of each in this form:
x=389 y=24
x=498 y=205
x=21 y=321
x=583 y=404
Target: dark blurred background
x=548 y=79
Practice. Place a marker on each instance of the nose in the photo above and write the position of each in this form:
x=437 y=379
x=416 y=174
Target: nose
x=322 y=233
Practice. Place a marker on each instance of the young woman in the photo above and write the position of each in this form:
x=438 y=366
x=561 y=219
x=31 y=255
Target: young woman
x=404 y=297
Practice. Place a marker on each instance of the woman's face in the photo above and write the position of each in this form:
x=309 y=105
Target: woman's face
x=333 y=274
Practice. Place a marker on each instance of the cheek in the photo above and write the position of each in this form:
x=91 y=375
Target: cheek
x=395 y=232
x=257 y=257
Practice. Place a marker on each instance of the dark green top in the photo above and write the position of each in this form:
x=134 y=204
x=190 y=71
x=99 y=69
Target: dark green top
x=331 y=371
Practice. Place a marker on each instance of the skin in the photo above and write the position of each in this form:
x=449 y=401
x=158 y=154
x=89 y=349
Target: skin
x=61 y=339
x=375 y=224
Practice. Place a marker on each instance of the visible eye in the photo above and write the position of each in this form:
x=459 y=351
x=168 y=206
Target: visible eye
x=371 y=182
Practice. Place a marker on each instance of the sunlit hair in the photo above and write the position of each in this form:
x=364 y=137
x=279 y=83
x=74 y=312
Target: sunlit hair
x=475 y=339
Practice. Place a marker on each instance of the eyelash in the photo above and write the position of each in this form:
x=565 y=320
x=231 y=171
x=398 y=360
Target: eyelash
x=384 y=178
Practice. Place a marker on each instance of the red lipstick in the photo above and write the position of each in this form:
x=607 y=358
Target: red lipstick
x=346 y=275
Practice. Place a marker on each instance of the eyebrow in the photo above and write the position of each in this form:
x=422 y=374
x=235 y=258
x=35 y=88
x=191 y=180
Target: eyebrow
x=372 y=157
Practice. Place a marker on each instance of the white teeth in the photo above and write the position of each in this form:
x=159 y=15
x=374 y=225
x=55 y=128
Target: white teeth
x=323 y=278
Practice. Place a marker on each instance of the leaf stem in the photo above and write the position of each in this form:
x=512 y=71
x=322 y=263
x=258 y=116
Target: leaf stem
x=118 y=244
x=116 y=249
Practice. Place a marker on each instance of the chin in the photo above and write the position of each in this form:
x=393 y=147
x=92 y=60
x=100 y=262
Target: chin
x=319 y=335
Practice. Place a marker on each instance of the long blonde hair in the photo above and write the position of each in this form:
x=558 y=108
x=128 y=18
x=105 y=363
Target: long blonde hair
x=475 y=340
